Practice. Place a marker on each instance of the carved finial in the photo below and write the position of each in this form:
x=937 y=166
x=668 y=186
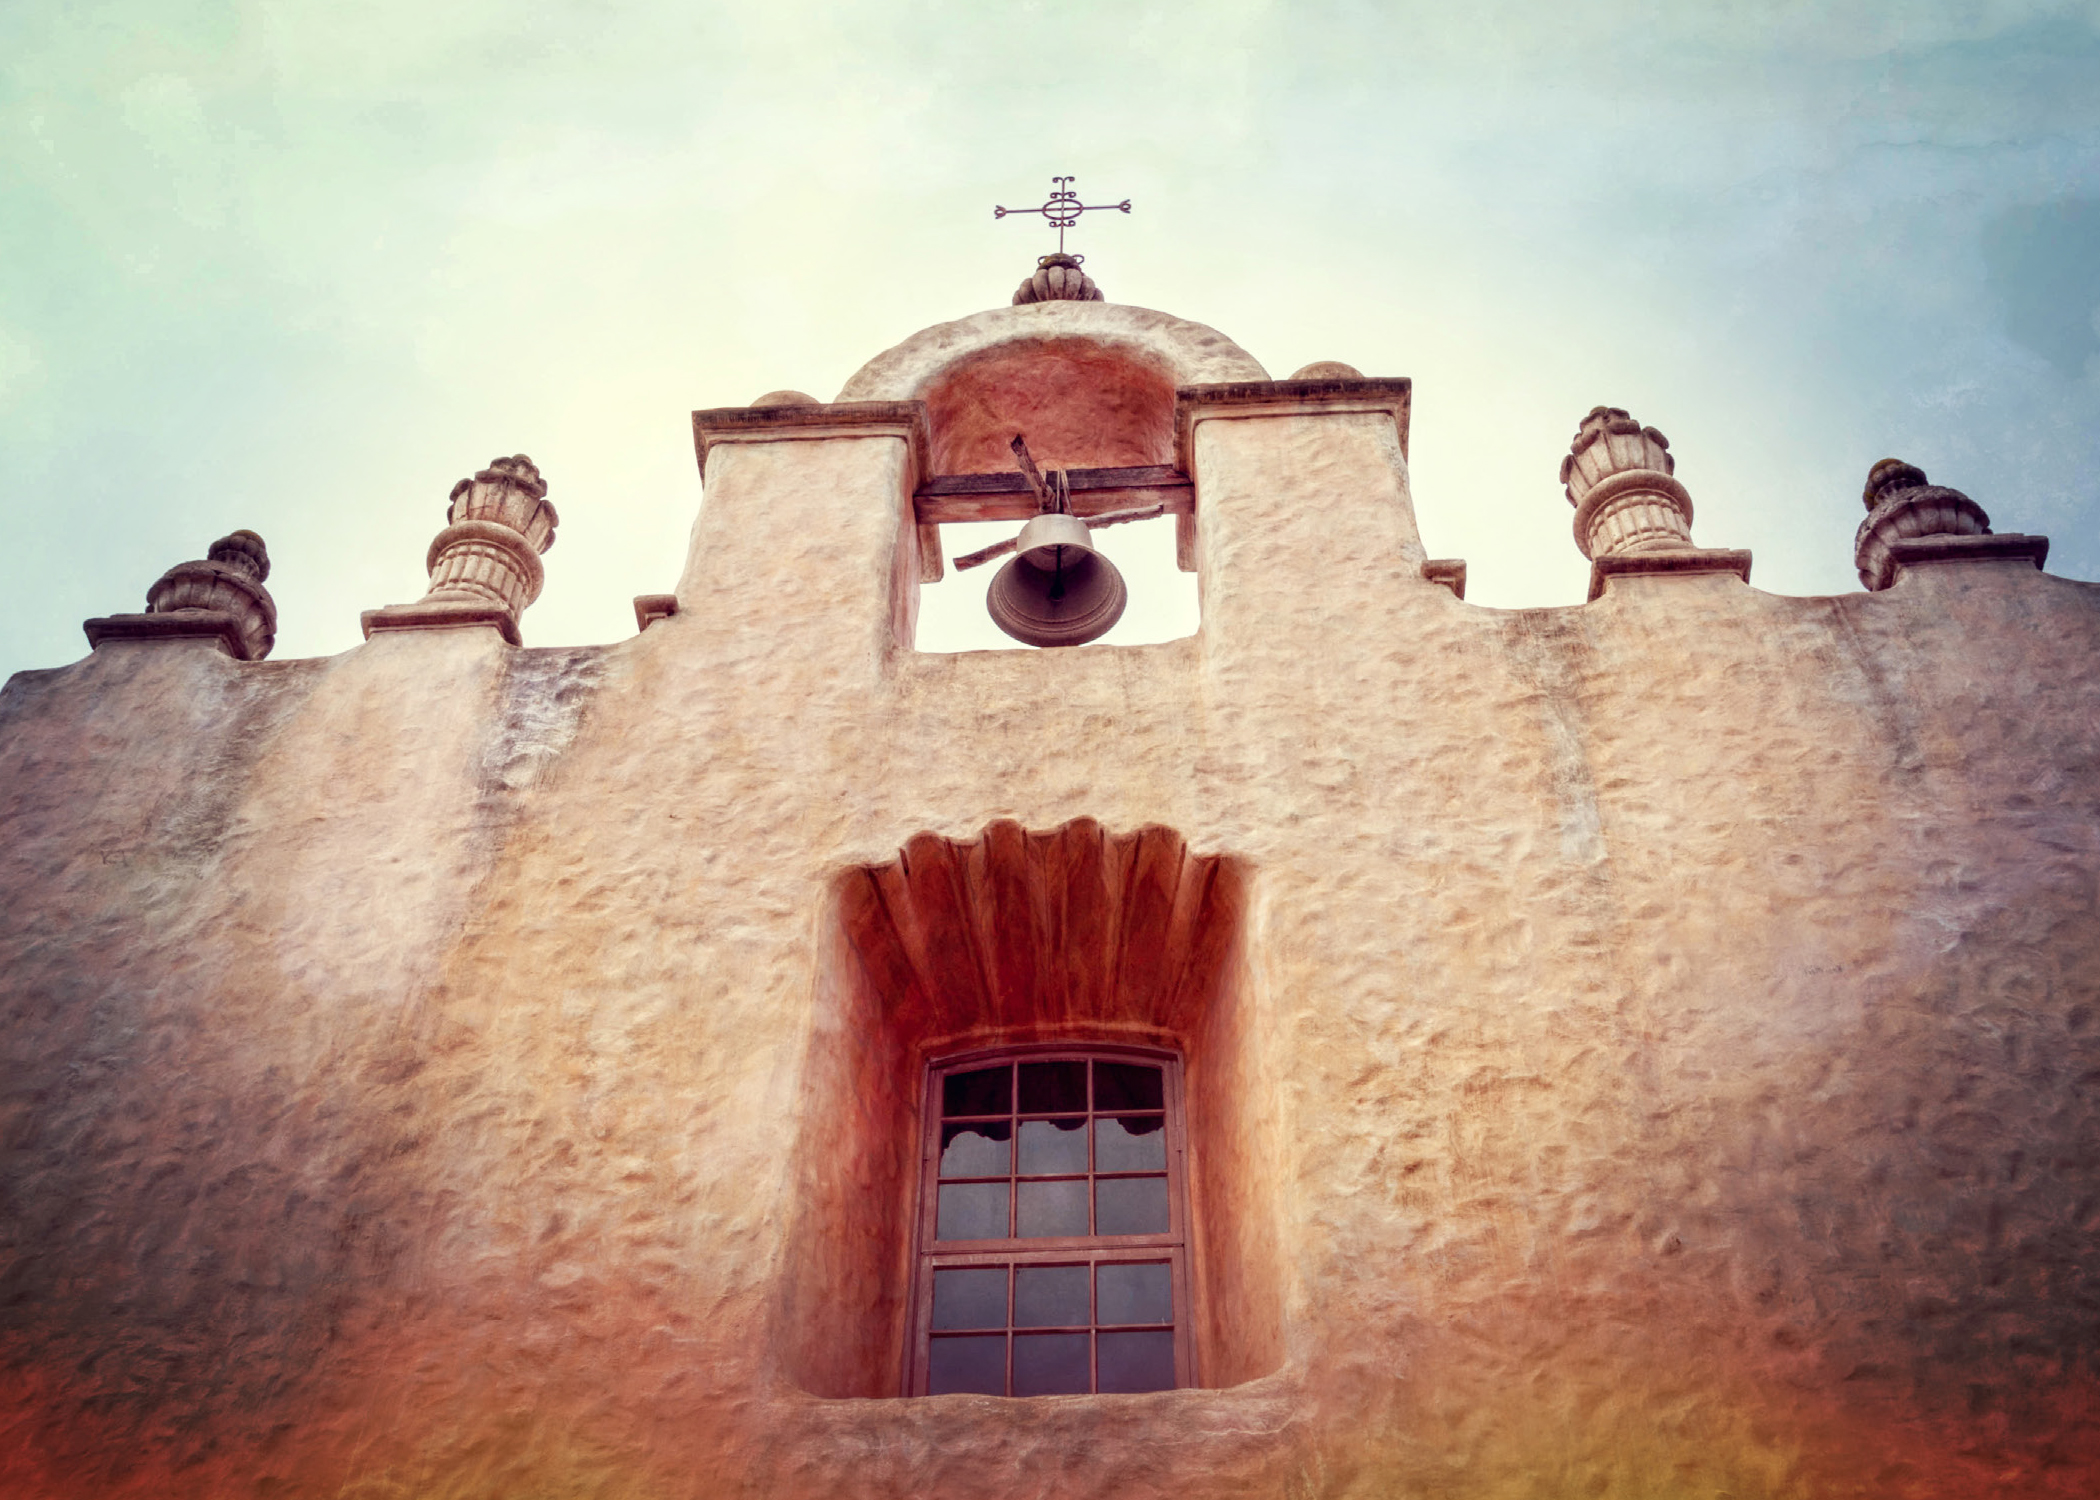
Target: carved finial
x=217 y=597
x=1058 y=278
x=1327 y=369
x=485 y=566
x=1618 y=477
x=244 y=552
x=1901 y=504
x=1889 y=476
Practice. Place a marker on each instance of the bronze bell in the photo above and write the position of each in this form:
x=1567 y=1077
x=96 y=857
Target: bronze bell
x=1058 y=591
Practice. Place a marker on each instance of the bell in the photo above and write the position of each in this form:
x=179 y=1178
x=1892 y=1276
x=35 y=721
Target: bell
x=1058 y=591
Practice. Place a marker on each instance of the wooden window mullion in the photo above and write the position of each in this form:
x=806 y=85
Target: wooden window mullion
x=1092 y=1250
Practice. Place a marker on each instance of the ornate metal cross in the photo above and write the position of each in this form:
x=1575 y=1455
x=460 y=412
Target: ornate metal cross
x=1063 y=209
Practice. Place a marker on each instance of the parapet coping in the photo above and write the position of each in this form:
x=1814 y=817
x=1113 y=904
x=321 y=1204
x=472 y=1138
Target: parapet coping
x=1390 y=396
x=772 y=424
x=442 y=614
x=217 y=625
x=1668 y=560
x=2005 y=546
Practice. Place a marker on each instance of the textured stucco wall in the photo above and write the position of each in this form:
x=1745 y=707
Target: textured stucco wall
x=1670 y=1023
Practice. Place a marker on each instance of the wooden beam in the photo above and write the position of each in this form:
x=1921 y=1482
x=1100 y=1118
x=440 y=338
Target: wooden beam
x=1006 y=497
x=930 y=568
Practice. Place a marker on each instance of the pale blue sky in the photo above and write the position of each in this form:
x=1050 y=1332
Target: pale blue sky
x=297 y=267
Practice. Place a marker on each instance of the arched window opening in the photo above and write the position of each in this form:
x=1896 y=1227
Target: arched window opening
x=1067 y=962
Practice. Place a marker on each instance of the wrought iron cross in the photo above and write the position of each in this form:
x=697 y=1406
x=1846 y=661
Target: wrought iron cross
x=1063 y=209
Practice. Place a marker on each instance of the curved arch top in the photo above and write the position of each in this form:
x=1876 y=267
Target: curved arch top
x=1193 y=353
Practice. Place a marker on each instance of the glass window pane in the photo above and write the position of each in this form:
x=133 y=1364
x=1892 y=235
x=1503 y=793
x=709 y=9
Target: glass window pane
x=1128 y=1086
x=1129 y=1205
x=981 y=1150
x=1053 y=1364
x=1048 y=1208
x=1049 y=1146
x=1050 y=1297
x=1134 y=1361
x=1128 y=1294
x=975 y=1297
x=973 y=1211
x=1053 y=1088
x=986 y=1091
x=1130 y=1143
x=971 y=1363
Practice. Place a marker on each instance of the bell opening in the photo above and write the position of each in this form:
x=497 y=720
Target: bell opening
x=954 y=614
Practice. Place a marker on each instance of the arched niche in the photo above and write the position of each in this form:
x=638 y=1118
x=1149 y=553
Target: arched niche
x=1091 y=384
x=1081 y=404
x=1075 y=934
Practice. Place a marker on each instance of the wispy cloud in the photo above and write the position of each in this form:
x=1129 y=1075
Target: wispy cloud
x=299 y=267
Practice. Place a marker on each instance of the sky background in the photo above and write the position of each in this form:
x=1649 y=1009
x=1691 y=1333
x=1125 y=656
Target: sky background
x=298 y=267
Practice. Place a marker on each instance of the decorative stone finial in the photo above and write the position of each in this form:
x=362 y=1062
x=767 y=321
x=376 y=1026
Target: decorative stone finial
x=1618 y=478
x=1901 y=505
x=1632 y=517
x=485 y=565
x=217 y=597
x=1327 y=369
x=244 y=552
x=1058 y=279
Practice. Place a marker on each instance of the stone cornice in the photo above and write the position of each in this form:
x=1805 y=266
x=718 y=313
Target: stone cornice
x=217 y=625
x=1668 y=560
x=1389 y=397
x=649 y=608
x=2009 y=546
x=814 y=422
x=441 y=614
x=1448 y=571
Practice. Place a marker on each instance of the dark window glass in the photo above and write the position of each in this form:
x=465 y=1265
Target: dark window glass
x=1048 y=1297
x=970 y=1363
x=1130 y=1294
x=975 y=1297
x=1130 y=1143
x=1137 y=1361
x=1053 y=1088
x=1056 y=1207
x=984 y=1149
x=1129 y=1205
x=983 y=1092
x=1055 y=1364
x=1052 y=1163
x=1128 y=1086
x=1054 y=1146
x=972 y=1211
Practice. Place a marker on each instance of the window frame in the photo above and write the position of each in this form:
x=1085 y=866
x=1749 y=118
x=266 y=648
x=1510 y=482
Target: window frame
x=1170 y=1247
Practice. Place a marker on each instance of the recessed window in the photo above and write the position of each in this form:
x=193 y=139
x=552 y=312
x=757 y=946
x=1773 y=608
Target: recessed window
x=1051 y=1240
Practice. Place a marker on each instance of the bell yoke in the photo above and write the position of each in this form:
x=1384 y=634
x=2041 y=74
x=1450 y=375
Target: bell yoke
x=1059 y=590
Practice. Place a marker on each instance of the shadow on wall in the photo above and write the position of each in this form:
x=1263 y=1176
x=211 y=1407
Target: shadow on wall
x=1073 y=935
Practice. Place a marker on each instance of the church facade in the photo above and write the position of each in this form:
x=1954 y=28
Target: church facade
x=1377 y=1046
